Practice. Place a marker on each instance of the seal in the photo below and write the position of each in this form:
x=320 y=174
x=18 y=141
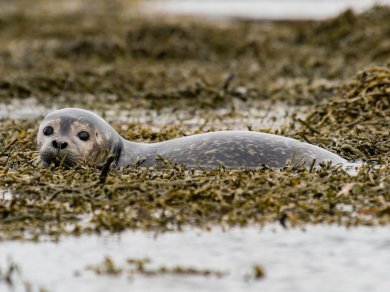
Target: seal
x=70 y=136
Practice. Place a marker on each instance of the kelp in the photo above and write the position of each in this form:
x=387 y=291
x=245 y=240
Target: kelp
x=105 y=54
x=201 y=68
x=141 y=267
x=359 y=116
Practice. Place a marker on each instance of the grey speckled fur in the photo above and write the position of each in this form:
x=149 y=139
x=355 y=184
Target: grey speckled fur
x=233 y=149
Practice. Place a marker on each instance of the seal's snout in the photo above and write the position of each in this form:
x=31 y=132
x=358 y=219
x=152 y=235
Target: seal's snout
x=71 y=136
x=60 y=145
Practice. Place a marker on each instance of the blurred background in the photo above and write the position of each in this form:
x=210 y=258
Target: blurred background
x=156 y=70
x=152 y=54
x=253 y=9
x=263 y=9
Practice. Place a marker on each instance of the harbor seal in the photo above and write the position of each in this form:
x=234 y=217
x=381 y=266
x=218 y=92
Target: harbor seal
x=71 y=135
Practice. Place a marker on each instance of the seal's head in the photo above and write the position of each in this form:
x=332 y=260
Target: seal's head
x=71 y=135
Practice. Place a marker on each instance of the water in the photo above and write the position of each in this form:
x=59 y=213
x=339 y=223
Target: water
x=261 y=9
x=22 y=109
x=259 y=115
x=5 y=195
x=324 y=258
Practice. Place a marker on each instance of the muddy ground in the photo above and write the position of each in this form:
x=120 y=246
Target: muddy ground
x=104 y=55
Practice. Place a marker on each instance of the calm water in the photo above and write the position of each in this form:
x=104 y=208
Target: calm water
x=259 y=115
x=322 y=258
x=261 y=9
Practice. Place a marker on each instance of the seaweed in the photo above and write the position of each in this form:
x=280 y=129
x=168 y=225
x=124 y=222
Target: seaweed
x=141 y=267
x=103 y=59
x=103 y=52
x=359 y=115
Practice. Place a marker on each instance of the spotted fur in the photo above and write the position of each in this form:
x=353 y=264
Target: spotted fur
x=232 y=149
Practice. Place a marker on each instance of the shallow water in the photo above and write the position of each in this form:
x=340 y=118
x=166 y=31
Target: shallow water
x=5 y=195
x=259 y=115
x=324 y=258
x=22 y=109
x=261 y=9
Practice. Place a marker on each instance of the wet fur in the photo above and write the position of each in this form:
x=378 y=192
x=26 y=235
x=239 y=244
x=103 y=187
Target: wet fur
x=233 y=149
x=67 y=123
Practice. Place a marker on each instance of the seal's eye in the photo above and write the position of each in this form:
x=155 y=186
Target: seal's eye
x=47 y=131
x=83 y=136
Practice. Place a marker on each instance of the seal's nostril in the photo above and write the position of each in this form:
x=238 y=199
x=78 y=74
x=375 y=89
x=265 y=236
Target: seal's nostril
x=59 y=145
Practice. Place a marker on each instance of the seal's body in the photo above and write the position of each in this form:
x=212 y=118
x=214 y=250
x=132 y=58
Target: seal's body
x=232 y=149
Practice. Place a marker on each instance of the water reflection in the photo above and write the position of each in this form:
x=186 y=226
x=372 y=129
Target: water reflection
x=22 y=109
x=259 y=115
x=5 y=195
x=261 y=9
x=329 y=258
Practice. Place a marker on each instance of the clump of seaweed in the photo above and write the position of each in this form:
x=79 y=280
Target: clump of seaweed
x=359 y=115
x=365 y=101
x=141 y=267
x=257 y=273
x=104 y=60
x=107 y=267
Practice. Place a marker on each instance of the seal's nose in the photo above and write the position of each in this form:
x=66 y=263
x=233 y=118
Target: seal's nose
x=59 y=145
